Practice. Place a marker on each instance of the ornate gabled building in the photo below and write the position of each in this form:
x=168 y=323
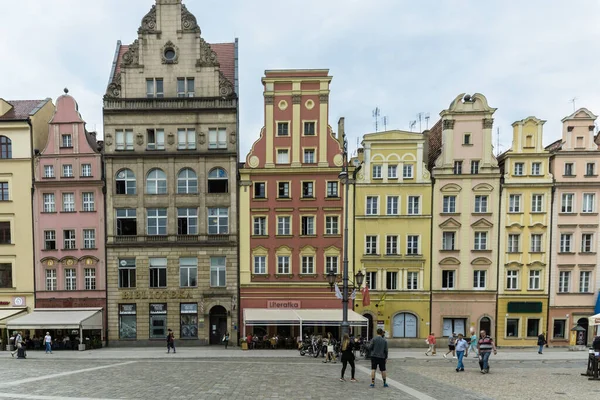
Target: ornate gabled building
x=170 y=127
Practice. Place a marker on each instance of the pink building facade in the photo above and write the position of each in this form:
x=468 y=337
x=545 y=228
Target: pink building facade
x=68 y=211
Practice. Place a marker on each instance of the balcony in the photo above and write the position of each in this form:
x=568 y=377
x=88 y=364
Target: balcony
x=172 y=240
x=170 y=103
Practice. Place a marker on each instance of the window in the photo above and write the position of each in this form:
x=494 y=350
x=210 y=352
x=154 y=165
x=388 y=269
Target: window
x=377 y=172
x=187 y=181
x=451 y=325
x=568 y=169
x=412 y=245
x=4 y=191
x=467 y=138
x=4 y=232
x=88 y=201
x=70 y=279
x=283 y=156
x=260 y=226
x=308 y=265
x=154 y=88
x=457 y=167
x=156 y=182
x=512 y=279
x=217 y=181
x=157 y=221
x=283 y=265
x=126 y=222
x=309 y=156
x=567 y=203
x=284 y=226
x=558 y=328
x=158 y=272
x=185 y=87
x=86 y=170
x=68 y=202
x=590 y=169
x=217 y=138
x=217 y=272
x=158 y=321
x=475 y=167
x=479 y=279
x=89 y=238
x=332 y=264
x=392 y=205
x=372 y=205
x=332 y=225
x=448 y=279
x=124 y=139
x=391 y=245
x=187 y=221
x=68 y=239
x=512 y=327
x=412 y=280
x=371 y=280
x=67 y=171
x=371 y=245
x=49 y=240
x=536 y=243
x=90 y=278
x=49 y=205
x=536 y=168
x=186 y=139
x=283 y=129
x=514 y=203
x=537 y=203
x=260 y=190
x=566 y=240
x=519 y=169
x=309 y=129
x=127 y=321
x=391 y=280
x=332 y=189
x=535 y=277
x=48 y=171
x=188 y=272
x=218 y=221
x=513 y=243
x=6 y=276
x=308 y=226
x=5 y=147
x=155 y=139
x=589 y=203
x=125 y=182
x=308 y=190
x=67 y=141
x=481 y=204
x=413 y=205
x=51 y=279
x=448 y=240
x=564 y=281
x=392 y=171
x=587 y=242
x=260 y=265
x=127 y=273
x=480 y=241
x=584 y=281
x=283 y=190
x=407 y=171
x=449 y=205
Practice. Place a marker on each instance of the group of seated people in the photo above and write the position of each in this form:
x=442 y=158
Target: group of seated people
x=278 y=341
x=60 y=343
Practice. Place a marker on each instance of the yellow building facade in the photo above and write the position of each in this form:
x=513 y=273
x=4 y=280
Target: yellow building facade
x=393 y=234
x=524 y=237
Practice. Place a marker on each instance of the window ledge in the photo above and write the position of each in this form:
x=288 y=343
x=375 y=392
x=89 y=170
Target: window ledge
x=532 y=175
x=481 y=213
x=307 y=198
x=259 y=236
x=536 y=252
x=308 y=236
x=569 y=176
x=68 y=212
x=88 y=211
x=254 y=276
x=468 y=144
x=284 y=199
x=90 y=248
x=537 y=212
x=69 y=249
x=590 y=176
x=514 y=252
x=85 y=176
x=482 y=251
x=566 y=252
x=450 y=213
x=515 y=212
x=49 y=212
x=7 y=244
x=65 y=147
x=587 y=253
x=284 y=236
x=259 y=199
x=332 y=235
x=48 y=177
x=303 y=276
x=49 y=249
x=448 y=250
x=588 y=213
x=279 y=276
x=67 y=177
x=331 y=198
x=371 y=255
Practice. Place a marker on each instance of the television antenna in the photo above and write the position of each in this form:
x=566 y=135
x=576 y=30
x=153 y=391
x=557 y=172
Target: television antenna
x=376 y=113
x=412 y=125
x=420 y=117
x=385 y=121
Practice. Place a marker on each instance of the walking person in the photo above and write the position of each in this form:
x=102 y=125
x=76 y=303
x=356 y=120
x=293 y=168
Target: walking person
x=472 y=345
x=461 y=346
x=431 y=343
x=485 y=346
x=379 y=355
x=226 y=339
x=48 y=343
x=347 y=357
x=171 y=342
x=541 y=342
x=18 y=345
x=451 y=345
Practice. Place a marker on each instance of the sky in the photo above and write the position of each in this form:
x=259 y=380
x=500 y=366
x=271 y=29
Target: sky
x=404 y=57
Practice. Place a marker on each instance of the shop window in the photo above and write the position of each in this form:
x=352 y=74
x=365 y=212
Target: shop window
x=533 y=327
x=189 y=320
x=158 y=321
x=127 y=321
x=558 y=330
x=512 y=328
x=452 y=325
x=405 y=326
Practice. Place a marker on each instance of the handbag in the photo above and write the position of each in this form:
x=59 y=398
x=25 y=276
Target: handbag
x=330 y=348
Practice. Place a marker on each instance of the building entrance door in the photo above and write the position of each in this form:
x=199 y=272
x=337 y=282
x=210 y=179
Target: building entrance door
x=218 y=324
x=485 y=324
x=367 y=330
x=582 y=335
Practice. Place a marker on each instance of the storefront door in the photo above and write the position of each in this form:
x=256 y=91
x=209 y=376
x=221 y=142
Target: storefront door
x=582 y=335
x=218 y=324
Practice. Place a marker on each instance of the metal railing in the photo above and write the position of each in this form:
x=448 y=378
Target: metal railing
x=202 y=239
x=171 y=103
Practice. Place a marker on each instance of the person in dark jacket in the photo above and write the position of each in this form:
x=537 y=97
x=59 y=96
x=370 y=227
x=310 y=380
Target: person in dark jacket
x=379 y=355
x=347 y=357
x=541 y=342
x=170 y=342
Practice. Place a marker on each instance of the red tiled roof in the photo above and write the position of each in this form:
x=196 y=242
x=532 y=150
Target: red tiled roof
x=554 y=146
x=21 y=109
x=122 y=50
x=435 y=143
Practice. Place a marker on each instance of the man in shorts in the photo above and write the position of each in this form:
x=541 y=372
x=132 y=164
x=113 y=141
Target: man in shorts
x=379 y=355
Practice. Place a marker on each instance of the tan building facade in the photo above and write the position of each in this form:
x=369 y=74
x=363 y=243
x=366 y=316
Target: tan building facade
x=170 y=120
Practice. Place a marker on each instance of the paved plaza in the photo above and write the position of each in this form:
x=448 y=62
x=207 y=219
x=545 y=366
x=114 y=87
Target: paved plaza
x=213 y=373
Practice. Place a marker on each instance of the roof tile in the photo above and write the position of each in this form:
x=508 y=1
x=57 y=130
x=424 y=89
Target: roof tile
x=21 y=109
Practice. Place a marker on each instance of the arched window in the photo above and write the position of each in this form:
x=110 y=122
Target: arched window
x=126 y=182
x=156 y=182
x=217 y=181
x=187 y=181
x=5 y=147
x=405 y=326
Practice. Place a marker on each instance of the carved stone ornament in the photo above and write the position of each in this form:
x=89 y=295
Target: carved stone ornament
x=171 y=139
x=149 y=22
x=232 y=137
x=114 y=88
x=296 y=99
x=139 y=139
x=208 y=57
x=132 y=55
x=488 y=123
x=202 y=138
x=569 y=129
x=170 y=53
x=108 y=139
x=591 y=128
x=269 y=99
x=448 y=124
x=225 y=87
x=188 y=21
x=324 y=98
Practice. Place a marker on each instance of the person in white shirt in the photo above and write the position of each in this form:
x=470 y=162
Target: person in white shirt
x=48 y=343
x=461 y=346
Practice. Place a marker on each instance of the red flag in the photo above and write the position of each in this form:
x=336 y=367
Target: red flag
x=366 y=297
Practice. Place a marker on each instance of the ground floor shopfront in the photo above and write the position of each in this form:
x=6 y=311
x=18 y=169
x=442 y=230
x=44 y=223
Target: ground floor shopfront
x=463 y=312
x=563 y=319
x=521 y=319
x=6 y=315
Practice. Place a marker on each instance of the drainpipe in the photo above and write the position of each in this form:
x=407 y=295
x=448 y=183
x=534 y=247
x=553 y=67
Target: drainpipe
x=237 y=169
x=431 y=254
x=32 y=209
x=550 y=261
x=104 y=190
x=501 y=185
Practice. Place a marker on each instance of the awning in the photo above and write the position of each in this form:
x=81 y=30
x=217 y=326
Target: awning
x=594 y=320
x=8 y=313
x=59 y=318
x=305 y=317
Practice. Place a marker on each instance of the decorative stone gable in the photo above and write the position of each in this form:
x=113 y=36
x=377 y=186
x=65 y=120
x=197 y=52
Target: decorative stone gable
x=188 y=21
x=132 y=55
x=208 y=57
x=114 y=88
x=149 y=22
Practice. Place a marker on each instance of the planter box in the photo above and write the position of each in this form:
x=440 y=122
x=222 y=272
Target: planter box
x=244 y=346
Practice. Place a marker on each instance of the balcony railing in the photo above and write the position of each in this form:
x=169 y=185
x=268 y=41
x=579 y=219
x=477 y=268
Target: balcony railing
x=189 y=239
x=171 y=103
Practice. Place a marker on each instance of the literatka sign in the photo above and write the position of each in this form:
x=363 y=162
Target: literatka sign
x=283 y=304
